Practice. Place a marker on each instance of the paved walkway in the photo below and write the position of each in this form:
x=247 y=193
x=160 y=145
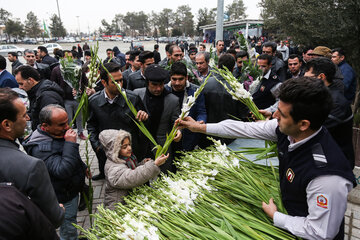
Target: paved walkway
x=352 y=216
x=98 y=186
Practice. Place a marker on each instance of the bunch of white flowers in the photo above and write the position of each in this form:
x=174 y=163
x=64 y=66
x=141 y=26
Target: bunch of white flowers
x=237 y=91
x=254 y=86
x=137 y=230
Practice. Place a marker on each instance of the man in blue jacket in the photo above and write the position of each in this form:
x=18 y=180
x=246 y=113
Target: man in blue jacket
x=338 y=57
x=6 y=78
x=182 y=88
x=55 y=143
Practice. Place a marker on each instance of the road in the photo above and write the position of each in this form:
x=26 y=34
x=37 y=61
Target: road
x=103 y=45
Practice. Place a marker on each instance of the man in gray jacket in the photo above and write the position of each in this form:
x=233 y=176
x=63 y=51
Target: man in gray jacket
x=28 y=174
x=162 y=106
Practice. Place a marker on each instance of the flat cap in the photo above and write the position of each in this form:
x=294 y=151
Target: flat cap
x=321 y=51
x=155 y=73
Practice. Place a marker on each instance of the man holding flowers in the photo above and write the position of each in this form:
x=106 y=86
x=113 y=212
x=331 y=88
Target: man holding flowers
x=108 y=110
x=315 y=177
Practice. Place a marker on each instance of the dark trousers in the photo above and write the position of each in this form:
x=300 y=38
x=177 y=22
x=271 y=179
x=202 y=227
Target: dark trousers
x=101 y=160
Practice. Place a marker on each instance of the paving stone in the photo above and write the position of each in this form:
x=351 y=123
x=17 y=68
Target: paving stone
x=355 y=233
x=80 y=219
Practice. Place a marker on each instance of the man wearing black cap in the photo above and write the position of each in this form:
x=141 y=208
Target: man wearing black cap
x=162 y=106
x=192 y=54
x=136 y=79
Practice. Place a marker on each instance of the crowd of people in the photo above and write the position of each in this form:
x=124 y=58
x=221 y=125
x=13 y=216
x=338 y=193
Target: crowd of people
x=306 y=97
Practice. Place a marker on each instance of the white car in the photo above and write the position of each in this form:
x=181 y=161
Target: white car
x=67 y=40
x=5 y=49
x=50 y=47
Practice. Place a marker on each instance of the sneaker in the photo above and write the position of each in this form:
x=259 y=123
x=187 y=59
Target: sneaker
x=82 y=136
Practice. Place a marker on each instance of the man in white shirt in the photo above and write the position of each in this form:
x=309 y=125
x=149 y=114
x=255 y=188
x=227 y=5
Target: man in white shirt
x=315 y=177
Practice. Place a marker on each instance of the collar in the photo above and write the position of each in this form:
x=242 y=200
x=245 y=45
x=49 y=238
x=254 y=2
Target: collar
x=297 y=75
x=293 y=146
x=8 y=143
x=111 y=101
x=142 y=75
x=267 y=75
x=32 y=92
x=2 y=71
x=204 y=76
x=187 y=85
x=341 y=63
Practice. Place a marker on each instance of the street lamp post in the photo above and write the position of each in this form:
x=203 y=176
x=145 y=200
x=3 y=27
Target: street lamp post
x=78 y=25
x=57 y=3
x=220 y=20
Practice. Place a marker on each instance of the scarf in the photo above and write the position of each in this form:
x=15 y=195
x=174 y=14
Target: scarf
x=155 y=106
x=131 y=161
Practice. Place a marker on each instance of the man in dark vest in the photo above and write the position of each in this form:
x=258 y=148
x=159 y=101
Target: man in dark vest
x=265 y=93
x=315 y=177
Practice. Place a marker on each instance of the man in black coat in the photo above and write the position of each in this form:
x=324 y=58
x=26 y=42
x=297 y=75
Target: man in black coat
x=163 y=108
x=157 y=57
x=28 y=174
x=13 y=58
x=40 y=93
x=108 y=110
x=22 y=219
x=278 y=66
x=340 y=120
x=43 y=69
x=218 y=102
x=137 y=79
x=46 y=59
x=134 y=66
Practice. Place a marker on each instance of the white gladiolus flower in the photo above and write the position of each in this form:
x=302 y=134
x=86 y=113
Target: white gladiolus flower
x=254 y=85
x=143 y=213
x=190 y=100
x=215 y=205
x=214 y=172
x=138 y=230
x=223 y=150
x=185 y=110
x=235 y=162
x=185 y=164
x=212 y=63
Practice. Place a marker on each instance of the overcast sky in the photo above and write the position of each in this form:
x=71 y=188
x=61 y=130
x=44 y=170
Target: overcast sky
x=92 y=12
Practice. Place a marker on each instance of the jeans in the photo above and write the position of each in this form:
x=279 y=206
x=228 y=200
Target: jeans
x=67 y=230
x=71 y=107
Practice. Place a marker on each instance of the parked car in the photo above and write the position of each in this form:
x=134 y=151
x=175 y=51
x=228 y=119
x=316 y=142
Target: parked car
x=50 y=47
x=127 y=39
x=67 y=40
x=163 y=39
x=138 y=46
x=148 y=38
x=30 y=41
x=5 y=49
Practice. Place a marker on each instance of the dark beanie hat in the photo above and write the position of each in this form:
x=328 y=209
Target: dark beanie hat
x=155 y=73
x=193 y=50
